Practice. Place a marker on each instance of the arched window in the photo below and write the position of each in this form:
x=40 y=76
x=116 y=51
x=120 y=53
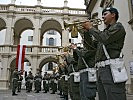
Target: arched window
x=51 y=41
x=50 y=66
x=132 y=4
x=131 y=13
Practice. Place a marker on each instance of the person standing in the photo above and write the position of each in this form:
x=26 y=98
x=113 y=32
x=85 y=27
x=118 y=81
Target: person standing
x=86 y=61
x=29 y=81
x=45 y=82
x=112 y=37
x=20 y=81
x=38 y=80
x=72 y=62
x=59 y=81
x=15 y=78
x=53 y=83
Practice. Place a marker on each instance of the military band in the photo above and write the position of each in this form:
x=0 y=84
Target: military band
x=72 y=77
x=112 y=37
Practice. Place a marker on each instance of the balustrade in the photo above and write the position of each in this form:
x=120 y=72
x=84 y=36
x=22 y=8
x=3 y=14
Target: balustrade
x=50 y=10
x=49 y=49
x=25 y=9
x=2 y=48
x=4 y=7
x=29 y=49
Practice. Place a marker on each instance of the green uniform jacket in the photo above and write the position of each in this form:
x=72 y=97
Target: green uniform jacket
x=113 y=39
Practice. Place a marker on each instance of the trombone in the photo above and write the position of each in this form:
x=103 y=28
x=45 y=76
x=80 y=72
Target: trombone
x=76 y=26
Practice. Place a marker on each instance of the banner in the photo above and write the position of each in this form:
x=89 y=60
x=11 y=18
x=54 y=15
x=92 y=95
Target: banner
x=20 y=57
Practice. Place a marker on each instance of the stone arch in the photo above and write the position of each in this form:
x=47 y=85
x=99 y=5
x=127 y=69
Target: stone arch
x=13 y=58
x=47 y=59
x=20 y=25
x=11 y=67
x=51 y=24
x=2 y=23
x=20 y=18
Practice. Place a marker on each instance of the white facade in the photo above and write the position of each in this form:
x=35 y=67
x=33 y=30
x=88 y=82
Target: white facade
x=39 y=20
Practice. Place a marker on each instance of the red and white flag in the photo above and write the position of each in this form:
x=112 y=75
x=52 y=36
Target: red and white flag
x=20 y=57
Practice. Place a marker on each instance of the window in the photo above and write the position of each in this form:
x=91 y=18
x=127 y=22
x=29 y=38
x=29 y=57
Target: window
x=52 y=32
x=131 y=67
x=50 y=66
x=131 y=13
x=47 y=41
x=106 y=3
x=132 y=4
x=51 y=41
x=86 y=2
x=30 y=38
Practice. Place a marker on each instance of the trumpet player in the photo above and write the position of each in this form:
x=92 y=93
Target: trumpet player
x=112 y=37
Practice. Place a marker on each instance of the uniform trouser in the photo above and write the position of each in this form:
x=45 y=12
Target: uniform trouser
x=107 y=89
x=45 y=86
x=65 y=86
x=29 y=86
x=54 y=86
x=59 y=86
x=19 y=86
x=37 y=85
x=74 y=89
x=87 y=89
x=14 y=85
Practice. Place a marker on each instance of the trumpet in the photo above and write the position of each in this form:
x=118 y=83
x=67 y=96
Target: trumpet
x=76 y=26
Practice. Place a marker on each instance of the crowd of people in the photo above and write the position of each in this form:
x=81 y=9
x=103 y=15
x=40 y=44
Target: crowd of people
x=89 y=69
x=74 y=76
x=37 y=83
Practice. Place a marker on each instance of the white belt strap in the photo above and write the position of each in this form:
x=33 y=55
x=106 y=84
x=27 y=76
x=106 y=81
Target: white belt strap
x=84 y=70
x=108 y=61
x=72 y=73
x=106 y=53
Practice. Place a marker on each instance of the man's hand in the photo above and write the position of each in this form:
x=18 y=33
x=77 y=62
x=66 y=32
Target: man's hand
x=73 y=46
x=87 y=25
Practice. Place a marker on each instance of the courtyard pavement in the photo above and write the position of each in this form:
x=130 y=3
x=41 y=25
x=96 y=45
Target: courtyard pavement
x=7 y=95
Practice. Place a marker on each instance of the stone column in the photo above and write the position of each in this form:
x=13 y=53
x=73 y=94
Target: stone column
x=34 y=64
x=65 y=33
x=65 y=37
x=36 y=35
x=4 y=75
x=9 y=30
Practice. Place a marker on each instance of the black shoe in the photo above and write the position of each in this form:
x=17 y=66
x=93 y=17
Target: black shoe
x=18 y=91
x=28 y=91
x=53 y=93
x=37 y=92
x=14 y=94
x=58 y=93
x=62 y=97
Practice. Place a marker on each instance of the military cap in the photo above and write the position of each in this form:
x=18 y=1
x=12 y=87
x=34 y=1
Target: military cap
x=111 y=9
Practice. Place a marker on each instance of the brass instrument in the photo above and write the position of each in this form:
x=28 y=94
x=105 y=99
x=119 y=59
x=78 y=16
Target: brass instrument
x=76 y=26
